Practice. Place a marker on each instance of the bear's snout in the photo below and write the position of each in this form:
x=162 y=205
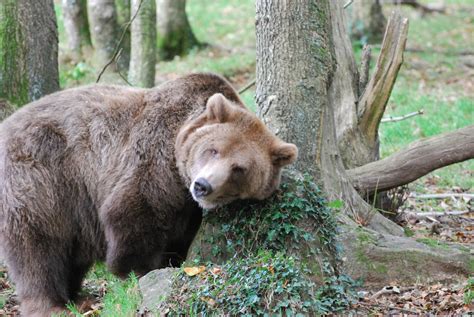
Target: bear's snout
x=201 y=188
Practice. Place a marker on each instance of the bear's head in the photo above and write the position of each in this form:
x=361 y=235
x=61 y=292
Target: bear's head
x=227 y=153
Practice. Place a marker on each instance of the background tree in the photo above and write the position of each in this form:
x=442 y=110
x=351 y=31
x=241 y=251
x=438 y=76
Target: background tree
x=175 y=36
x=28 y=50
x=367 y=21
x=104 y=29
x=76 y=26
x=143 y=54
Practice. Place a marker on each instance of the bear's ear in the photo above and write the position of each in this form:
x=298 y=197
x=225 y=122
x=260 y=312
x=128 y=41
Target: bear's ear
x=218 y=108
x=284 y=154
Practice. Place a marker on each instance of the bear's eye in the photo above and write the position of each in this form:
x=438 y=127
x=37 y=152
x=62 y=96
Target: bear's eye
x=238 y=170
x=213 y=152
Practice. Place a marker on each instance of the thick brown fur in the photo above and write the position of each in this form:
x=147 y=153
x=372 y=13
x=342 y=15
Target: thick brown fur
x=104 y=173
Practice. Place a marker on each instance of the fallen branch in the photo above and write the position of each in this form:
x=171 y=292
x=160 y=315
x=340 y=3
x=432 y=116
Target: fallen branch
x=440 y=213
x=420 y=158
x=425 y=8
x=375 y=97
x=400 y=118
x=441 y=196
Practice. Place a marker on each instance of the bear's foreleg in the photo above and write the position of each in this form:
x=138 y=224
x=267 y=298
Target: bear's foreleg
x=136 y=237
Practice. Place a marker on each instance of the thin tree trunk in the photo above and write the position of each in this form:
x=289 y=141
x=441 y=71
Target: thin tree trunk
x=123 y=19
x=143 y=57
x=76 y=26
x=104 y=29
x=28 y=50
x=175 y=36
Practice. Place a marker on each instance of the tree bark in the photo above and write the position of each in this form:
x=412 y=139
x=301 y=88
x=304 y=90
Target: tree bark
x=76 y=26
x=28 y=50
x=175 y=36
x=143 y=57
x=104 y=30
x=417 y=160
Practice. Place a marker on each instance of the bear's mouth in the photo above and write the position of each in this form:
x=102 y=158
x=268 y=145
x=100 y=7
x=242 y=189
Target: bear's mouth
x=214 y=202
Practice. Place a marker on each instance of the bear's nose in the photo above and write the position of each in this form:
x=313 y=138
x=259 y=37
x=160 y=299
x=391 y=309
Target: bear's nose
x=201 y=187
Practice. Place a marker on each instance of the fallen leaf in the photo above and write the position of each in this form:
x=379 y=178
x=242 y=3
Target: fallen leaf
x=216 y=270
x=194 y=270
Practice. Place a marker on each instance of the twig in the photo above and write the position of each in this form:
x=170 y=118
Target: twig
x=439 y=214
x=348 y=3
x=246 y=87
x=117 y=47
x=400 y=118
x=441 y=196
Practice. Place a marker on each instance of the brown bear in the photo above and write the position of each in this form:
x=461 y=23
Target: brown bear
x=121 y=174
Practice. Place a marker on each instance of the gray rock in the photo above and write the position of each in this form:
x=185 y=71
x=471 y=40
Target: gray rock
x=155 y=287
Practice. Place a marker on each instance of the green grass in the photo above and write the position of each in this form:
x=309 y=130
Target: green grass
x=122 y=297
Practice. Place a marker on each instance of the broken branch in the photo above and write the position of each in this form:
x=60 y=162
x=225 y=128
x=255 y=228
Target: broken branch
x=400 y=118
x=417 y=160
x=374 y=100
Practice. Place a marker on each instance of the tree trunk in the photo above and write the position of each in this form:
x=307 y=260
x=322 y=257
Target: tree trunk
x=104 y=30
x=76 y=26
x=143 y=57
x=175 y=36
x=28 y=50
x=368 y=21
x=123 y=19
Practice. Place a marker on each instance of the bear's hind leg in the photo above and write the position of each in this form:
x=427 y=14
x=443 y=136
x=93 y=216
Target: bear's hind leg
x=40 y=272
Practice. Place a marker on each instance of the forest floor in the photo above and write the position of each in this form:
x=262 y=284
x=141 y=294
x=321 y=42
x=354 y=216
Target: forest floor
x=437 y=77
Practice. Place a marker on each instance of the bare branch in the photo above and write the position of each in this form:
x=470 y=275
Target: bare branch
x=246 y=87
x=374 y=100
x=420 y=158
x=400 y=118
x=348 y=3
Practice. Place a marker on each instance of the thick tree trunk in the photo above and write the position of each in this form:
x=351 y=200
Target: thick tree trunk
x=76 y=26
x=368 y=21
x=299 y=92
x=123 y=19
x=28 y=50
x=417 y=160
x=175 y=36
x=143 y=58
x=104 y=30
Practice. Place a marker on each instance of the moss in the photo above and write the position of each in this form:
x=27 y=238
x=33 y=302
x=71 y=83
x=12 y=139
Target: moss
x=433 y=243
x=13 y=75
